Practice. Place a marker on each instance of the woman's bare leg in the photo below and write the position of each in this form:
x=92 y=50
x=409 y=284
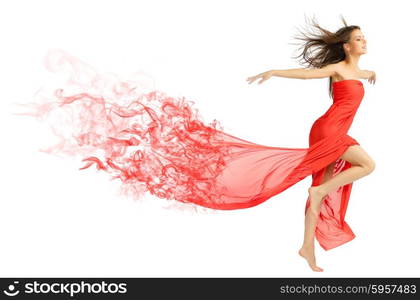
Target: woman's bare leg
x=307 y=250
x=362 y=165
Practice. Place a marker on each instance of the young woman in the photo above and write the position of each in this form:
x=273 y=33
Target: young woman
x=338 y=59
x=158 y=144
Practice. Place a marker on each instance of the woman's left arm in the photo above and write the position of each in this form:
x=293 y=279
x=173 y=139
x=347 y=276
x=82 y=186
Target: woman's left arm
x=370 y=75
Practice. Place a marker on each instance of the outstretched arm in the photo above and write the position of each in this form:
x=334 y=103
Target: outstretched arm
x=300 y=73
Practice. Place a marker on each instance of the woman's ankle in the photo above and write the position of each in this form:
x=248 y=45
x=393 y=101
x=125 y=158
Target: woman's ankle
x=308 y=246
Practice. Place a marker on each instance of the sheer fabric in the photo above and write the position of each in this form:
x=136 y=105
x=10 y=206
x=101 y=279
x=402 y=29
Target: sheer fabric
x=158 y=144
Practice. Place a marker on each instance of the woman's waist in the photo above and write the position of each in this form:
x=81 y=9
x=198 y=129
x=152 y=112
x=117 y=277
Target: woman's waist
x=342 y=108
x=336 y=115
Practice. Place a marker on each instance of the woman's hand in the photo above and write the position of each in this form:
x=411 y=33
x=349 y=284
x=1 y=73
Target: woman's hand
x=372 y=77
x=264 y=76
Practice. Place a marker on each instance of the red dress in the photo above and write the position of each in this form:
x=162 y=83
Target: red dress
x=157 y=144
x=332 y=230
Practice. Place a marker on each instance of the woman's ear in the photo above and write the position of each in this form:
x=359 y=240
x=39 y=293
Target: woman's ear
x=346 y=47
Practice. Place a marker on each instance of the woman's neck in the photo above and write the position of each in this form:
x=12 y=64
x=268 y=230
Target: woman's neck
x=352 y=62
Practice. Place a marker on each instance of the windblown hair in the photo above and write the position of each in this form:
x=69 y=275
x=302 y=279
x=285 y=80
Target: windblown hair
x=324 y=48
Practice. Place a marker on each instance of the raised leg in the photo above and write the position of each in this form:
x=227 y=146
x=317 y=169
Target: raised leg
x=362 y=165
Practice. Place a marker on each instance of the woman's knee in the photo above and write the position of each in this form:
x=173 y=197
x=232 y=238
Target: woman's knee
x=370 y=166
x=357 y=156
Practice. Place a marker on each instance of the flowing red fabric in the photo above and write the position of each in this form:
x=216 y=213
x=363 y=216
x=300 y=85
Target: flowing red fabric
x=155 y=143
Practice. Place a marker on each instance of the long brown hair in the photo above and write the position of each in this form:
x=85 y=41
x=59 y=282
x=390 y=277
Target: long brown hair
x=324 y=48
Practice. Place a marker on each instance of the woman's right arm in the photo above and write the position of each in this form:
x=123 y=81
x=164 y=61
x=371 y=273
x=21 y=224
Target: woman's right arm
x=300 y=73
x=326 y=71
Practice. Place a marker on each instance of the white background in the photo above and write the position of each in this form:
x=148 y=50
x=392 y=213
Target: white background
x=59 y=221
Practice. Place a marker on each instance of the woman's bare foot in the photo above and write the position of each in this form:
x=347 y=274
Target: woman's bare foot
x=315 y=199
x=309 y=255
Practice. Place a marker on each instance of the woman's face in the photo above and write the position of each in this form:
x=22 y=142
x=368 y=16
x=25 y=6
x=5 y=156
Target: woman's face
x=357 y=43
